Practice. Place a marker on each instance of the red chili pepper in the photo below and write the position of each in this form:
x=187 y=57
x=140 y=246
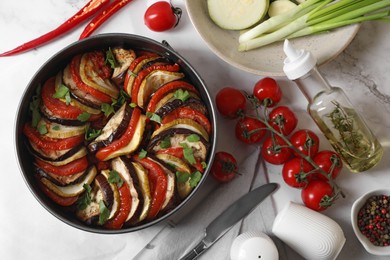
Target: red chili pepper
x=103 y=16
x=86 y=12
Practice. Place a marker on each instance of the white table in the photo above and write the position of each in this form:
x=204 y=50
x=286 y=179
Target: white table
x=27 y=231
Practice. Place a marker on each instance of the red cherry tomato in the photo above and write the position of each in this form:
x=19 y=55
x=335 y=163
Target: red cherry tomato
x=268 y=92
x=283 y=120
x=318 y=195
x=275 y=150
x=295 y=171
x=230 y=102
x=330 y=162
x=306 y=141
x=250 y=130
x=224 y=167
x=162 y=16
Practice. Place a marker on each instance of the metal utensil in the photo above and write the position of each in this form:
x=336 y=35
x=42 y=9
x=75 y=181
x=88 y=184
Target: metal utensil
x=236 y=211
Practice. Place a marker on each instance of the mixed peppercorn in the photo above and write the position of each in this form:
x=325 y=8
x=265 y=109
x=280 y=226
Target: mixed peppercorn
x=374 y=220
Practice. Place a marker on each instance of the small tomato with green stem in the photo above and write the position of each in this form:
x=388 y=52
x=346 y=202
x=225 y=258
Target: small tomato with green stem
x=162 y=16
x=297 y=172
x=318 y=195
x=224 y=167
x=306 y=141
x=330 y=162
x=250 y=130
x=275 y=150
x=268 y=92
x=231 y=102
x=283 y=120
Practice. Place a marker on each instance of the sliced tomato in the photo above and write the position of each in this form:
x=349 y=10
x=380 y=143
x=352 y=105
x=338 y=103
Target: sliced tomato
x=185 y=112
x=56 y=106
x=124 y=139
x=143 y=73
x=167 y=88
x=179 y=153
x=75 y=72
x=124 y=208
x=47 y=143
x=158 y=185
x=71 y=168
x=62 y=201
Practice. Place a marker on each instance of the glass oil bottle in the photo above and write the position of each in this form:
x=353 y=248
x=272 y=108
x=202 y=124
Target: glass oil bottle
x=332 y=111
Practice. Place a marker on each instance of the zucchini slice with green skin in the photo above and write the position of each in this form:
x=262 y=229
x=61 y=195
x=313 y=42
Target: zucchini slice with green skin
x=237 y=14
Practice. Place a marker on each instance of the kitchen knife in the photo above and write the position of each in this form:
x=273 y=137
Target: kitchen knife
x=235 y=212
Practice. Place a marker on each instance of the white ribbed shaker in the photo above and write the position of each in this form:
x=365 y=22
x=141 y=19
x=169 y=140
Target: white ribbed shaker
x=310 y=233
x=253 y=245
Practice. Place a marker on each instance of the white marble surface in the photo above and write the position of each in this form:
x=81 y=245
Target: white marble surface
x=27 y=231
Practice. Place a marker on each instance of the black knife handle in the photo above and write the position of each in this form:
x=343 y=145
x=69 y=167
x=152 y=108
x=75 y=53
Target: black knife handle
x=195 y=252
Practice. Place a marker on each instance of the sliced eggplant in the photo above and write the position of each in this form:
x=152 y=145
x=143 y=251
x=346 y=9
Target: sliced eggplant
x=135 y=141
x=113 y=129
x=192 y=102
x=124 y=58
x=114 y=208
x=126 y=169
x=82 y=96
x=60 y=180
x=73 y=189
x=91 y=77
x=184 y=123
x=108 y=194
x=170 y=97
x=146 y=198
x=51 y=117
x=153 y=81
x=59 y=131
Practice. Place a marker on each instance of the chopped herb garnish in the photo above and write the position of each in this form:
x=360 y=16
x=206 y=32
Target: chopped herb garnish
x=42 y=129
x=107 y=109
x=195 y=179
x=193 y=138
x=166 y=142
x=131 y=73
x=85 y=199
x=188 y=153
x=83 y=117
x=133 y=105
x=91 y=133
x=56 y=128
x=104 y=213
x=62 y=92
x=182 y=177
x=204 y=165
x=114 y=177
x=34 y=107
x=183 y=95
x=142 y=154
x=110 y=59
x=154 y=117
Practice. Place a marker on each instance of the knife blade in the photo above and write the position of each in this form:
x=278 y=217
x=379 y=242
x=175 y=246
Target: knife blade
x=235 y=212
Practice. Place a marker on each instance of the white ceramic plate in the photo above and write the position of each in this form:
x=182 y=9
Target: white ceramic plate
x=268 y=60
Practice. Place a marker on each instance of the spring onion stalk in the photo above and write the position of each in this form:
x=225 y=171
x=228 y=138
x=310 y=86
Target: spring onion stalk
x=326 y=16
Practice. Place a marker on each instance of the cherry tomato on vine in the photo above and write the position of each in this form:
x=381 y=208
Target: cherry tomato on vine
x=306 y=141
x=224 y=167
x=283 y=120
x=318 y=195
x=250 y=130
x=275 y=150
x=268 y=92
x=162 y=16
x=295 y=171
x=330 y=162
x=230 y=102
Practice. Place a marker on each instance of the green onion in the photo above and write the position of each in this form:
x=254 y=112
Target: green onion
x=314 y=16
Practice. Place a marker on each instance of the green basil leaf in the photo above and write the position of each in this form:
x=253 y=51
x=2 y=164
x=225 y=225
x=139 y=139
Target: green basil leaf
x=83 y=117
x=104 y=213
x=154 y=117
x=114 y=177
x=204 y=165
x=91 y=133
x=195 y=179
x=142 y=154
x=165 y=143
x=188 y=153
x=62 y=92
x=42 y=129
x=182 y=177
x=183 y=95
x=107 y=109
x=85 y=199
x=56 y=127
x=193 y=138
x=133 y=105
x=110 y=59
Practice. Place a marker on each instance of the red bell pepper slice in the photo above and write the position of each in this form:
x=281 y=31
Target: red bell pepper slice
x=158 y=185
x=75 y=72
x=169 y=87
x=124 y=139
x=103 y=16
x=124 y=208
x=86 y=12
x=179 y=153
x=71 y=168
x=62 y=201
x=185 y=112
x=142 y=74
x=47 y=143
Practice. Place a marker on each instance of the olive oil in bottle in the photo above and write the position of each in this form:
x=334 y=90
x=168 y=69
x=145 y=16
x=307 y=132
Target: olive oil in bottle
x=333 y=112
